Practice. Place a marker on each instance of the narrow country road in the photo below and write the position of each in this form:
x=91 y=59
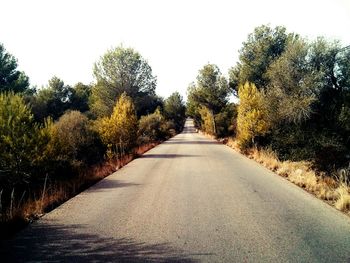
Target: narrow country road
x=189 y=199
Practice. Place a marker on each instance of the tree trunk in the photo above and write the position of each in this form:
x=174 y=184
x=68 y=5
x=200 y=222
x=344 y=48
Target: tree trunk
x=214 y=125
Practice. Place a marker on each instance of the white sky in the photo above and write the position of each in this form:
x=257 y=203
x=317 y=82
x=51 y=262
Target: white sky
x=65 y=37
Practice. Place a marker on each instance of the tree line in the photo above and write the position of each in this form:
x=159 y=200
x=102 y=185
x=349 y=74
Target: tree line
x=293 y=97
x=58 y=132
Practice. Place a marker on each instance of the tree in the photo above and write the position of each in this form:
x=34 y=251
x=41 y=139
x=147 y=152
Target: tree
x=22 y=141
x=10 y=78
x=333 y=80
x=210 y=92
x=262 y=47
x=212 y=88
x=207 y=120
x=153 y=127
x=118 y=132
x=330 y=111
x=175 y=110
x=122 y=70
x=302 y=105
x=252 y=115
x=73 y=141
x=291 y=89
x=192 y=106
x=226 y=121
x=53 y=100
x=148 y=104
x=79 y=99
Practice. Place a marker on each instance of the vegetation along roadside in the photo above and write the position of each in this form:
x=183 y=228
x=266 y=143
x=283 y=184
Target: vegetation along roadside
x=58 y=140
x=286 y=103
x=290 y=110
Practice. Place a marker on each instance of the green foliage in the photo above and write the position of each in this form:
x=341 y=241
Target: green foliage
x=147 y=104
x=73 y=141
x=252 y=118
x=332 y=83
x=55 y=99
x=262 y=47
x=10 y=78
x=305 y=91
x=313 y=102
x=57 y=143
x=192 y=106
x=212 y=88
x=226 y=121
x=207 y=120
x=79 y=98
x=290 y=92
x=175 y=110
x=153 y=128
x=344 y=117
x=221 y=124
x=22 y=141
x=207 y=98
x=123 y=70
x=52 y=101
x=118 y=132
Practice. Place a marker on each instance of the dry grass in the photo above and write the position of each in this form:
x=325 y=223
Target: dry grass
x=36 y=207
x=330 y=188
x=55 y=194
x=305 y=179
x=343 y=201
x=233 y=144
x=267 y=158
x=327 y=193
x=108 y=167
x=207 y=134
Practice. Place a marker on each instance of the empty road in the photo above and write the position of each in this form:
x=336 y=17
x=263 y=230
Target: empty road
x=189 y=199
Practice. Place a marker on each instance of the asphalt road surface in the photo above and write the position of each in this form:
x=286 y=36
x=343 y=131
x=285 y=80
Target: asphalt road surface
x=189 y=199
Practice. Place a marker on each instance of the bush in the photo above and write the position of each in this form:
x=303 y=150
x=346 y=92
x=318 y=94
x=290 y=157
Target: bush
x=175 y=110
x=207 y=123
x=154 y=127
x=225 y=121
x=73 y=141
x=252 y=118
x=22 y=141
x=119 y=131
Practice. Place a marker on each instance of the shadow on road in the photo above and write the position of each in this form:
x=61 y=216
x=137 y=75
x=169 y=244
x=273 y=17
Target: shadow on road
x=55 y=243
x=190 y=142
x=110 y=184
x=170 y=156
x=189 y=129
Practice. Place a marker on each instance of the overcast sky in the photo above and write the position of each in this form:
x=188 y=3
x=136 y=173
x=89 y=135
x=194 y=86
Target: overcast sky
x=65 y=37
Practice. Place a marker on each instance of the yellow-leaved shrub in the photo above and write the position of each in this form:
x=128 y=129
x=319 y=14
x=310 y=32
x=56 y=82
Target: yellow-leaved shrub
x=208 y=124
x=119 y=131
x=252 y=119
